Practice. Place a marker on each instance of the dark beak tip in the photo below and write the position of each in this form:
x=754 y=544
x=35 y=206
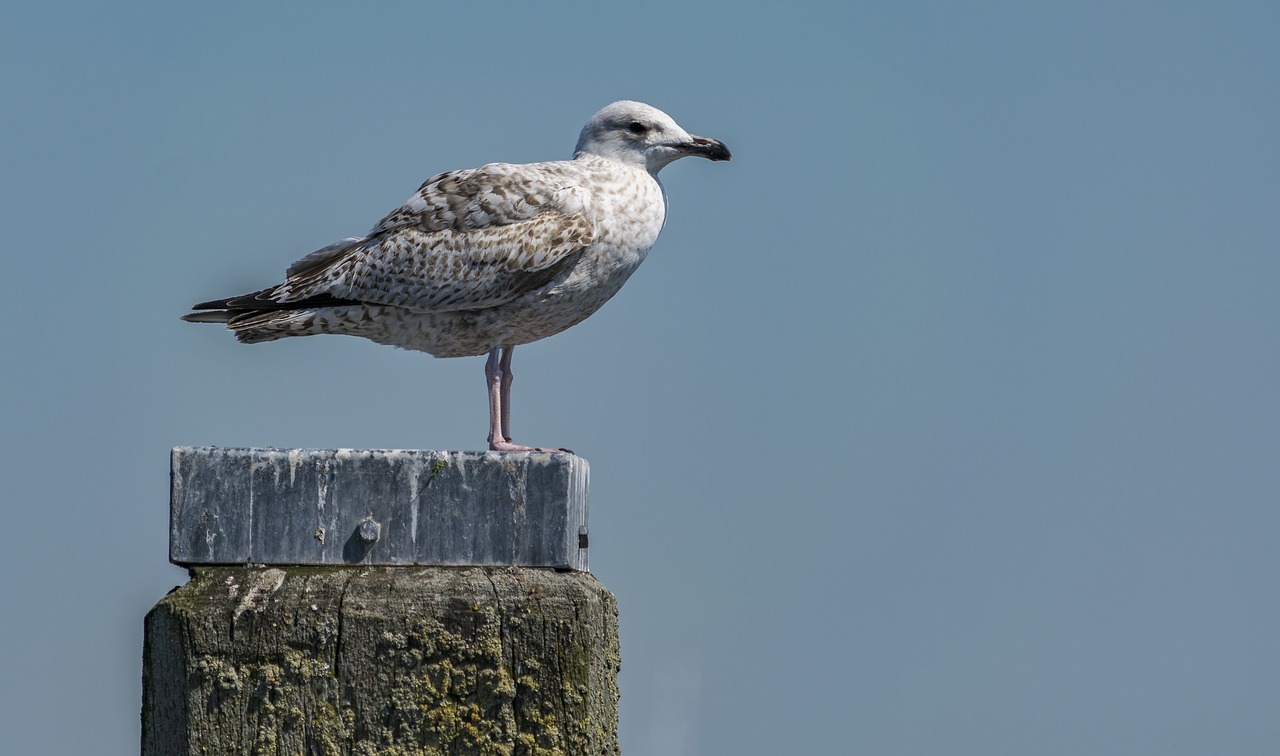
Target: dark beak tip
x=712 y=149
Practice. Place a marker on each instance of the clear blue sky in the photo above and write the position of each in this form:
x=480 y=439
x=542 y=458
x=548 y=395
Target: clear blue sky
x=944 y=419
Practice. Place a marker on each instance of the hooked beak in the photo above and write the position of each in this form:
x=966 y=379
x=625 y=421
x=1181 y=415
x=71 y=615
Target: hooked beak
x=711 y=149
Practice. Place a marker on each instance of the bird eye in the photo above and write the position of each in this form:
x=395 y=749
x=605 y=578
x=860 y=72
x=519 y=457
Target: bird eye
x=635 y=127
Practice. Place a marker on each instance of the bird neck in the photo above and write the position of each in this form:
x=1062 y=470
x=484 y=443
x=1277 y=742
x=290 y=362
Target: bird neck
x=629 y=158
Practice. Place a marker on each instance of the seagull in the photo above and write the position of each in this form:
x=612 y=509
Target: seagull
x=479 y=261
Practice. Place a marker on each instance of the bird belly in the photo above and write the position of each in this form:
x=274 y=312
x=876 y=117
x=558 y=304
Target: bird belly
x=561 y=303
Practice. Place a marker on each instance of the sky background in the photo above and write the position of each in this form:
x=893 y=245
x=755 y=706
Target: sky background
x=945 y=419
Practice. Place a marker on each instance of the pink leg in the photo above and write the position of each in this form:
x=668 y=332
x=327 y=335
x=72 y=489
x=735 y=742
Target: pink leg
x=497 y=373
x=493 y=378
x=505 y=366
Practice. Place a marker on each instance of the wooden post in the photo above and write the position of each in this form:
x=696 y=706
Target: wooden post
x=382 y=646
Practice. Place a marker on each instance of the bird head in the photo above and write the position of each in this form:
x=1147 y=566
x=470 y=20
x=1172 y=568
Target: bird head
x=641 y=135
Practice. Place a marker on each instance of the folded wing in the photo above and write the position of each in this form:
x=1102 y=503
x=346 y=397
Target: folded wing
x=466 y=240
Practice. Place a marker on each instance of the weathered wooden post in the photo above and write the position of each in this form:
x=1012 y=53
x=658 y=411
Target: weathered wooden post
x=380 y=602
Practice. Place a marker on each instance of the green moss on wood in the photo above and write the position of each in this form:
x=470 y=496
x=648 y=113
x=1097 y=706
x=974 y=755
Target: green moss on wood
x=386 y=661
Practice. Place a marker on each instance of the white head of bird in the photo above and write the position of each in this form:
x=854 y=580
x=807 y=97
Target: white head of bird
x=641 y=135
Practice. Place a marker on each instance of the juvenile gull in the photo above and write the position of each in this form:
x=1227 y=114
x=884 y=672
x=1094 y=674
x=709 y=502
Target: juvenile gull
x=481 y=260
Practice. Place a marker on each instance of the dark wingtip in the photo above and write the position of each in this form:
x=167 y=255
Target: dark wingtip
x=208 y=316
x=223 y=310
x=213 y=311
x=213 y=304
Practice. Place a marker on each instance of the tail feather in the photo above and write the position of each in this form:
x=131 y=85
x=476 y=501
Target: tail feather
x=253 y=326
x=280 y=310
x=257 y=311
x=269 y=325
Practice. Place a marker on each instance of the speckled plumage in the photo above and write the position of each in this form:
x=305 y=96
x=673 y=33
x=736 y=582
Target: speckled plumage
x=486 y=258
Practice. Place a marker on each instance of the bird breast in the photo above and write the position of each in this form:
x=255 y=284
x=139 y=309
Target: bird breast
x=627 y=211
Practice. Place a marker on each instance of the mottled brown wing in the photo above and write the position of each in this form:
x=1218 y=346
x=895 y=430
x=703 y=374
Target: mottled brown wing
x=476 y=198
x=461 y=270
x=466 y=240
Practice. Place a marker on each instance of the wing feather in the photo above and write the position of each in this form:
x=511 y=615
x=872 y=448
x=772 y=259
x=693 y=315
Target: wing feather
x=466 y=240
